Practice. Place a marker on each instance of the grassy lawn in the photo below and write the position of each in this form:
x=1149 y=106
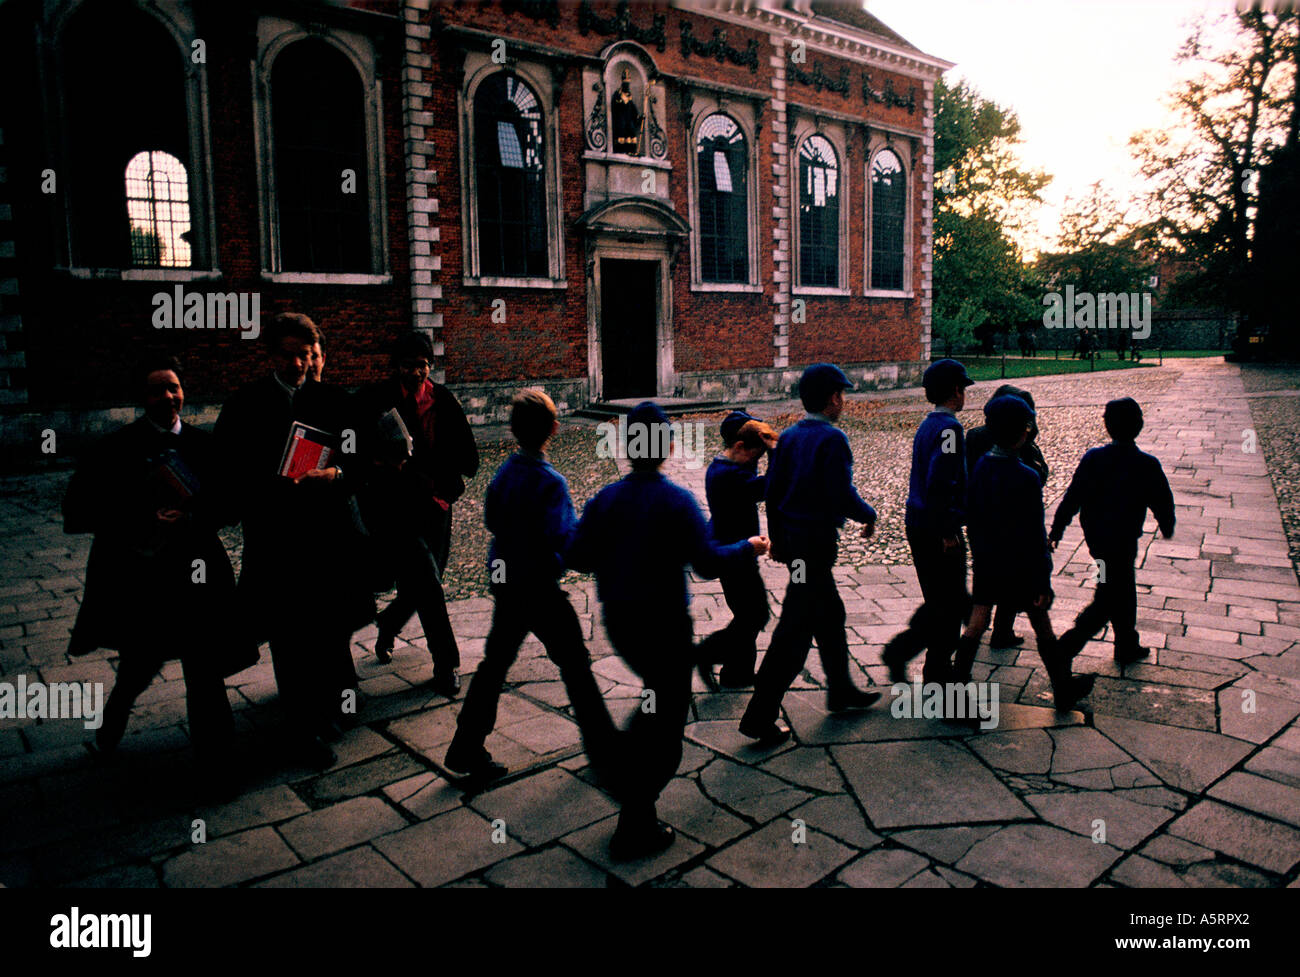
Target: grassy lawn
x=990 y=367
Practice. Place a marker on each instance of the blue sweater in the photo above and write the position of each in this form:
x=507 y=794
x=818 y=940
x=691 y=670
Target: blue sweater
x=531 y=518
x=1008 y=542
x=810 y=489
x=936 y=492
x=1111 y=491
x=638 y=536
x=733 y=491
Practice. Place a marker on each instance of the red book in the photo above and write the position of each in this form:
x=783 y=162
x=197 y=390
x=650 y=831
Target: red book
x=308 y=448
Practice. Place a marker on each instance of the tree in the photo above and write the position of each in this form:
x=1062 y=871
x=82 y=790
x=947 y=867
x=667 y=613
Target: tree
x=983 y=199
x=1203 y=171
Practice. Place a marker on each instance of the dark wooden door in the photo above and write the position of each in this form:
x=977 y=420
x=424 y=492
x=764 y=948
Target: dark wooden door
x=629 y=312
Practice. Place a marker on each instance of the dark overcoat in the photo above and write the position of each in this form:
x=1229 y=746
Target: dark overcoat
x=164 y=591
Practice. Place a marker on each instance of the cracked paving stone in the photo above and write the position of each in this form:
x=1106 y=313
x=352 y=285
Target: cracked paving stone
x=362 y=778
x=1176 y=851
x=1021 y=751
x=230 y=860
x=683 y=805
x=1059 y=859
x=725 y=737
x=770 y=857
x=752 y=792
x=807 y=767
x=840 y=818
x=1186 y=759
x=1084 y=749
x=920 y=782
x=1137 y=872
x=1126 y=822
x=255 y=808
x=552 y=868
x=544 y=806
x=424 y=796
x=1245 y=837
x=1271 y=714
x=944 y=844
x=1147 y=701
x=1277 y=764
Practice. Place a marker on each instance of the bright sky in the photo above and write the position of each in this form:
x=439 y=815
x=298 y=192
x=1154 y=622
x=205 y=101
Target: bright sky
x=1083 y=75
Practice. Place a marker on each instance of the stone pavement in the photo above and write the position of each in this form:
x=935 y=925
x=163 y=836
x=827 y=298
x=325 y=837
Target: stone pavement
x=1184 y=771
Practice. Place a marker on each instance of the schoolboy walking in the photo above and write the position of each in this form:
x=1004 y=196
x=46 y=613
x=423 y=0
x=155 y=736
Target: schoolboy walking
x=638 y=536
x=810 y=494
x=1111 y=491
x=530 y=515
x=1012 y=560
x=734 y=488
x=936 y=499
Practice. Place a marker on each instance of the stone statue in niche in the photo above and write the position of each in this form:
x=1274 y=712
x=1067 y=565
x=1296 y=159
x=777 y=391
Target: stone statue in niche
x=626 y=119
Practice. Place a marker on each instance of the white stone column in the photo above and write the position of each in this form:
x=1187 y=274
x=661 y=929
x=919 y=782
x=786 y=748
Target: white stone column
x=782 y=247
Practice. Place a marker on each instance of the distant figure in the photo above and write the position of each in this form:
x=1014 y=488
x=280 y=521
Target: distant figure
x=1112 y=489
x=316 y=366
x=638 y=536
x=810 y=495
x=531 y=518
x=1013 y=562
x=159 y=585
x=1028 y=343
x=301 y=581
x=409 y=507
x=936 y=512
x=979 y=440
x=734 y=488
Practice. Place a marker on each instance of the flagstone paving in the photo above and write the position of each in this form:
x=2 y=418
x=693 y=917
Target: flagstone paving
x=1183 y=770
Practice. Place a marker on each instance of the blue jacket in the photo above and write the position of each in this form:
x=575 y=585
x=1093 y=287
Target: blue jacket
x=810 y=489
x=1111 y=491
x=733 y=491
x=639 y=535
x=530 y=515
x=936 y=491
x=1008 y=542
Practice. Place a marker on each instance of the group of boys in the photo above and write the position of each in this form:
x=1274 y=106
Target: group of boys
x=638 y=536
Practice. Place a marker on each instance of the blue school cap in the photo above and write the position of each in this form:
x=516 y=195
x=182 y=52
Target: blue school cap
x=821 y=380
x=945 y=374
x=732 y=423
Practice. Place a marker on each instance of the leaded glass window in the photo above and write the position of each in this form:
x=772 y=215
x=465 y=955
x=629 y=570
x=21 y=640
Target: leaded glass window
x=819 y=214
x=723 y=167
x=888 y=216
x=508 y=150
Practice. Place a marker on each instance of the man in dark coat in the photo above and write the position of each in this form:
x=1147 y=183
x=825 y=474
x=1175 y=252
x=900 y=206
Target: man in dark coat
x=979 y=441
x=159 y=584
x=409 y=506
x=302 y=583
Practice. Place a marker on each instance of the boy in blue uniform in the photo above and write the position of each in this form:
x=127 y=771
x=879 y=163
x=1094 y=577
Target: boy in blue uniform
x=810 y=494
x=979 y=440
x=1111 y=491
x=638 y=536
x=936 y=500
x=1013 y=563
x=531 y=518
x=734 y=488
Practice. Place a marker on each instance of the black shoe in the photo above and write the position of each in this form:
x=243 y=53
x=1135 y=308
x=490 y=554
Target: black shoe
x=736 y=678
x=384 y=646
x=477 y=766
x=1008 y=640
x=318 y=754
x=850 y=699
x=446 y=683
x=773 y=734
x=629 y=844
x=705 y=671
x=895 y=659
x=1130 y=655
x=1077 y=688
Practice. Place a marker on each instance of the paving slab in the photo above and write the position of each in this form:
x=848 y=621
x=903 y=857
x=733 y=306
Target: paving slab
x=266 y=806
x=230 y=860
x=361 y=868
x=592 y=843
x=551 y=868
x=807 y=767
x=684 y=806
x=1059 y=858
x=751 y=792
x=771 y=858
x=1260 y=795
x=1185 y=759
x=1255 y=840
x=886 y=868
x=340 y=826
x=840 y=817
x=445 y=848
x=542 y=807
x=1018 y=751
x=1109 y=817
x=924 y=782
x=1270 y=714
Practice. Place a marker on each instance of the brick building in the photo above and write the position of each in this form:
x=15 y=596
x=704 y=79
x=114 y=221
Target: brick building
x=610 y=200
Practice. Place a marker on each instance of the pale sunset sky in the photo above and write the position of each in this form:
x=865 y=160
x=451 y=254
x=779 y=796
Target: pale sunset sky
x=1083 y=75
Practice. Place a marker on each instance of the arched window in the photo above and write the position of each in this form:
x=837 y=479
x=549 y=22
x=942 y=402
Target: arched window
x=158 y=206
x=888 y=217
x=321 y=188
x=511 y=178
x=724 y=203
x=819 y=214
